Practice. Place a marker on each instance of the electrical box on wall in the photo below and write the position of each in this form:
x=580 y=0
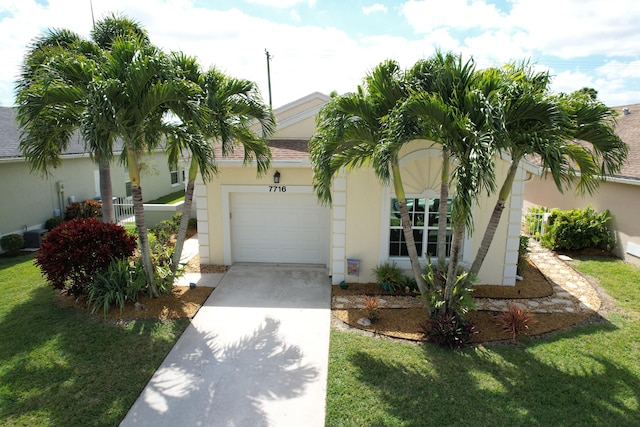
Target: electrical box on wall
x=60 y=187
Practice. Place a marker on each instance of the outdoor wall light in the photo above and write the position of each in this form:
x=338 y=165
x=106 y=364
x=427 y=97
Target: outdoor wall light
x=276 y=177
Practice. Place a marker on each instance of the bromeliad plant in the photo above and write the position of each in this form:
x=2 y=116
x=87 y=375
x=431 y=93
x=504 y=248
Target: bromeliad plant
x=447 y=325
x=515 y=321
x=371 y=308
x=389 y=276
x=115 y=285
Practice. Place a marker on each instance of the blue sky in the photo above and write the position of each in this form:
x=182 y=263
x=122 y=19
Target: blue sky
x=325 y=45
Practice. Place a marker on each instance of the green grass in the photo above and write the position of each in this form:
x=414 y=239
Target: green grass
x=169 y=199
x=588 y=375
x=63 y=367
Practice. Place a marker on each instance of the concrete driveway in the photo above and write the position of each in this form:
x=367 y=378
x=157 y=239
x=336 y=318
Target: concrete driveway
x=255 y=354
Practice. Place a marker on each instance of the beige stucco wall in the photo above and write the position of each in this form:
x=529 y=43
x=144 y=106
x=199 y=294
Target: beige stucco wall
x=620 y=198
x=359 y=214
x=213 y=199
x=31 y=199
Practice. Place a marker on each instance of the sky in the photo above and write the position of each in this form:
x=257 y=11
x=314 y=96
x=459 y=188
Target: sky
x=330 y=45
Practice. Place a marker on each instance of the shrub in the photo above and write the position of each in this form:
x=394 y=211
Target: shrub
x=12 y=243
x=84 y=209
x=371 y=307
x=388 y=276
x=461 y=301
x=73 y=252
x=576 y=229
x=449 y=331
x=115 y=285
x=515 y=321
x=52 y=223
x=523 y=251
x=164 y=230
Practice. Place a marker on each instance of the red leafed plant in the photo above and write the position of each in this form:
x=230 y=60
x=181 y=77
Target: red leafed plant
x=371 y=306
x=72 y=253
x=515 y=321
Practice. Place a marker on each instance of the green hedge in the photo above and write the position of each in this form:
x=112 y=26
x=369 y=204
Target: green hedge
x=576 y=229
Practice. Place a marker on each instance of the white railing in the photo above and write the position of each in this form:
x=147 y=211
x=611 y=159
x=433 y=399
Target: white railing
x=534 y=224
x=123 y=210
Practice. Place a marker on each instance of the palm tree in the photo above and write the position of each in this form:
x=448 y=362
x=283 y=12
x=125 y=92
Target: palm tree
x=229 y=106
x=573 y=135
x=352 y=130
x=139 y=88
x=47 y=129
x=450 y=104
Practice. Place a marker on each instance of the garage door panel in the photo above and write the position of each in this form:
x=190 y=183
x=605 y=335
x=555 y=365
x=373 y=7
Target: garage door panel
x=285 y=228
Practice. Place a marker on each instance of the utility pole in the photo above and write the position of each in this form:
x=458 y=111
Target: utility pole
x=92 y=18
x=269 y=57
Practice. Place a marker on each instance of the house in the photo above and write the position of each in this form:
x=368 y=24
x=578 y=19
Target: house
x=29 y=199
x=277 y=218
x=619 y=194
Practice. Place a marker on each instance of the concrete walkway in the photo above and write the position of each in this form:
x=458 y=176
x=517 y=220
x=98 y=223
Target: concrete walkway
x=255 y=354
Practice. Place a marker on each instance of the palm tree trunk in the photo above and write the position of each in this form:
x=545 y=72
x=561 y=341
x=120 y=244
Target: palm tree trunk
x=106 y=190
x=442 y=210
x=494 y=221
x=186 y=213
x=406 y=228
x=138 y=209
x=456 y=245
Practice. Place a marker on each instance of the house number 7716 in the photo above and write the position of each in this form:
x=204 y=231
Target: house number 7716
x=277 y=189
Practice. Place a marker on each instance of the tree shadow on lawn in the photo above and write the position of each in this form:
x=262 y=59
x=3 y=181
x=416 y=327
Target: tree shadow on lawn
x=508 y=385
x=75 y=368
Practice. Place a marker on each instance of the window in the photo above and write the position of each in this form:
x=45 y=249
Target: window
x=127 y=187
x=423 y=214
x=174 y=178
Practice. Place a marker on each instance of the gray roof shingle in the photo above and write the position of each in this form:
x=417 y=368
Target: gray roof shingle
x=10 y=137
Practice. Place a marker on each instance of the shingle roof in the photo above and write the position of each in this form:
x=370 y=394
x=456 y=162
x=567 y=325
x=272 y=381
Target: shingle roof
x=281 y=150
x=10 y=137
x=628 y=128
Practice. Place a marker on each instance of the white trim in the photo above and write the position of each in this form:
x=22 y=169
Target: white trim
x=225 y=203
x=301 y=101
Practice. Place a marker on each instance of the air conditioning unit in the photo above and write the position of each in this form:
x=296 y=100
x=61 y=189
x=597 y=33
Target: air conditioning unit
x=33 y=238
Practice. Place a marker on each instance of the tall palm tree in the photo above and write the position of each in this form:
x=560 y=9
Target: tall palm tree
x=47 y=130
x=352 y=130
x=139 y=89
x=229 y=107
x=573 y=135
x=450 y=104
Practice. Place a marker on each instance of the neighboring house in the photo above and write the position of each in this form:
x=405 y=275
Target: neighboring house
x=277 y=218
x=620 y=194
x=29 y=199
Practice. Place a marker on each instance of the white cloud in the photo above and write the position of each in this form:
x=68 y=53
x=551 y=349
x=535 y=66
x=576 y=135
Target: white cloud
x=428 y=15
x=308 y=59
x=294 y=15
x=281 y=4
x=377 y=7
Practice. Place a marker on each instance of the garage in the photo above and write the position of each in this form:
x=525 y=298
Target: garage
x=279 y=227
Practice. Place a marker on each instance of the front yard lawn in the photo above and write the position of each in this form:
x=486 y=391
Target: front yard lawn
x=588 y=375
x=64 y=367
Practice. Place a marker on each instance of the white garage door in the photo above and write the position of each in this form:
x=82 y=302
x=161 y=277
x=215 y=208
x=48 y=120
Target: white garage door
x=279 y=228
